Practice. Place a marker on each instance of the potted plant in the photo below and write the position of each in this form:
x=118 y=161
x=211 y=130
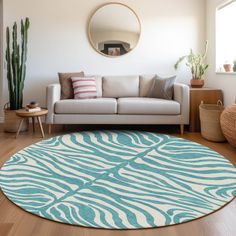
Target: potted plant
x=234 y=67
x=197 y=66
x=16 y=56
x=227 y=66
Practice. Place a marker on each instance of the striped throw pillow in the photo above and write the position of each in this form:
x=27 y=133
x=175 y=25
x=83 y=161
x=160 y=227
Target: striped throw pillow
x=84 y=87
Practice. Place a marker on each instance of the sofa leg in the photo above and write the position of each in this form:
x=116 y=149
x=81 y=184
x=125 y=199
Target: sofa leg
x=181 y=129
x=49 y=129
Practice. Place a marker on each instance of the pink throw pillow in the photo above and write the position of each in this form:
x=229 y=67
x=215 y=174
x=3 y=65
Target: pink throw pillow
x=84 y=87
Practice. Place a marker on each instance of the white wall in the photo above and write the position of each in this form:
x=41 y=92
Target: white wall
x=58 y=39
x=226 y=82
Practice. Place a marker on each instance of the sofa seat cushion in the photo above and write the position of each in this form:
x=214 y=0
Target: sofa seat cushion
x=148 y=106
x=87 y=106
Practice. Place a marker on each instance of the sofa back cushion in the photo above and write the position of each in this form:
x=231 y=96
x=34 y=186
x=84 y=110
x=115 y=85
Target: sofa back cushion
x=145 y=84
x=120 y=86
x=98 y=80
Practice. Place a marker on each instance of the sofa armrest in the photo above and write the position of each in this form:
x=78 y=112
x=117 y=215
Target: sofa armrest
x=53 y=95
x=181 y=95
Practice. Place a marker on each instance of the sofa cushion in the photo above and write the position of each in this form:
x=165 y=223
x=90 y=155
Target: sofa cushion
x=162 y=87
x=98 y=80
x=147 y=106
x=86 y=106
x=84 y=87
x=120 y=86
x=67 y=91
x=99 y=85
x=145 y=84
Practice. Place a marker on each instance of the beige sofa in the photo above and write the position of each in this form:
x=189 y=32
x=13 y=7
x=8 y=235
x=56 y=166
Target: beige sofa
x=121 y=100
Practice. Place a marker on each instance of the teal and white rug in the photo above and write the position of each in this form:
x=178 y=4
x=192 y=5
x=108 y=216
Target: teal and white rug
x=118 y=179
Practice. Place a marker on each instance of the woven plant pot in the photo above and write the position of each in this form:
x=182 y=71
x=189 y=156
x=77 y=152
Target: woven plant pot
x=12 y=121
x=228 y=124
x=210 y=121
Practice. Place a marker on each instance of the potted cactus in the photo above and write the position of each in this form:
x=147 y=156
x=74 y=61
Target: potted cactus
x=197 y=66
x=16 y=56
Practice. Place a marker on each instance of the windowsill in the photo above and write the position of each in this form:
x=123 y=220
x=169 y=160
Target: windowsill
x=225 y=73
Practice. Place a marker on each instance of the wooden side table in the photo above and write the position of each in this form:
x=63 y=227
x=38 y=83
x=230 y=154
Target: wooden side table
x=208 y=96
x=26 y=115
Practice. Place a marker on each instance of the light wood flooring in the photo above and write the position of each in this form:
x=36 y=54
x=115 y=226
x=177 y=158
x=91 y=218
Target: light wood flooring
x=17 y=222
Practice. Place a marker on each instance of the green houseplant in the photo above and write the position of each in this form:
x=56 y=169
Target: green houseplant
x=16 y=57
x=196 y=64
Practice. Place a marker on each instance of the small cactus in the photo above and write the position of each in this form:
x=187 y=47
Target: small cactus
x=16 y=57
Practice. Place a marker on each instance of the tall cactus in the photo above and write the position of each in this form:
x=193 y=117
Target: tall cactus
x=16 y=57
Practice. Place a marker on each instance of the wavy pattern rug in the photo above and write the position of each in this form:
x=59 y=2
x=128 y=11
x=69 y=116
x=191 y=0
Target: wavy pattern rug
x=118 y=179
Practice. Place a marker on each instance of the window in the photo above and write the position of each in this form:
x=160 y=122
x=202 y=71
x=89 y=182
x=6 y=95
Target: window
x=226 y=36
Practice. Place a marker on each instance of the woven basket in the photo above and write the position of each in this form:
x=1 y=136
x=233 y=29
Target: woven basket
x=12 y=121
x=210 y=121
x=228 y=124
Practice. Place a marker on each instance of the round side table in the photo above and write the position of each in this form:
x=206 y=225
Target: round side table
x=26 y=115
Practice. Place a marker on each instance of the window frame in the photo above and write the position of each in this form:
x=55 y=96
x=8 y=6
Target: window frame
x=221 y=6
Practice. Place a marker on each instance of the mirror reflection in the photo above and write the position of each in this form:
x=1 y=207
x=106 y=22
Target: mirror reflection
x=114 y=29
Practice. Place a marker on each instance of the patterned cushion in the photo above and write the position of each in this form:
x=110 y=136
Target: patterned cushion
x=84 y=87
x=66 y=84
x=162 y=88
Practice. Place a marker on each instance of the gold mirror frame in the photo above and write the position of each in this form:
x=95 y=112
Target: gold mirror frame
x=89 y=28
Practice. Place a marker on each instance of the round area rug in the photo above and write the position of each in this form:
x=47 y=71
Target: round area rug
x=118 y=179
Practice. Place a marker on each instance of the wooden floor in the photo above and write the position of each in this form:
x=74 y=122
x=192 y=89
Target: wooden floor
x=17 y=222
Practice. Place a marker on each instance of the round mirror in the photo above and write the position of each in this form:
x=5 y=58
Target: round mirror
x=114 y=29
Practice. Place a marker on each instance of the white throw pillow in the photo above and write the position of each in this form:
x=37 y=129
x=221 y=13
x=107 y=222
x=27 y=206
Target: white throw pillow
x=84 y=87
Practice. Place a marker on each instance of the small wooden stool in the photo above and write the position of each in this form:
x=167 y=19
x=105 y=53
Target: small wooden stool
x=26 y=115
